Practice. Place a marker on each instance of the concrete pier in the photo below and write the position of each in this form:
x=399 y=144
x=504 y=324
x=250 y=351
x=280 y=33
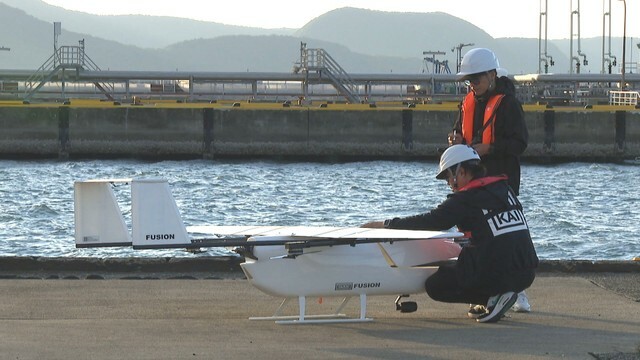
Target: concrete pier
x=165 y=130
x=576 y=314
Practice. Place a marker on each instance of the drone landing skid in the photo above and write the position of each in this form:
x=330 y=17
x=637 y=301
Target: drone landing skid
x=303 y=318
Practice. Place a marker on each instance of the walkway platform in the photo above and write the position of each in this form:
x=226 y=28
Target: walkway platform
x=575 y=316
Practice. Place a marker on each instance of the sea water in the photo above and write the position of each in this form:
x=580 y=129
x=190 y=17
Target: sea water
x=575 y=210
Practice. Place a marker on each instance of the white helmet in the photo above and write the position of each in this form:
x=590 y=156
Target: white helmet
x=454 y=155
x=479 y=60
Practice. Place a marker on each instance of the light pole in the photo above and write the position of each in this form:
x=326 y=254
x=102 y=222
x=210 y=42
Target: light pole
x=638 y=45
x=544 y=56
x=458 y=50
x=607 y=58
x=623 y=85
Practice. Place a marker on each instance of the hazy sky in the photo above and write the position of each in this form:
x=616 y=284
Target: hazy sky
x=503 y=18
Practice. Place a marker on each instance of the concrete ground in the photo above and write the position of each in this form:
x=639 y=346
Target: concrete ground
x=577 y=316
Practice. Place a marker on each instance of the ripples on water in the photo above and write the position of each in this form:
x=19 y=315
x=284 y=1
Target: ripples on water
x=575 y=211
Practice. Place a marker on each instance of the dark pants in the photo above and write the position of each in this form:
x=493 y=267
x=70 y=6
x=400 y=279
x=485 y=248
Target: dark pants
x=445 y=286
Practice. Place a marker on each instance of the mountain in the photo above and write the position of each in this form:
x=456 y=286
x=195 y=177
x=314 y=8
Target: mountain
x=361 y=41
x=138 y=30
x=409 y=34
x=385 y=33
x=268 y=53
x=592 y=48
x=273 y=53
x=31 y=44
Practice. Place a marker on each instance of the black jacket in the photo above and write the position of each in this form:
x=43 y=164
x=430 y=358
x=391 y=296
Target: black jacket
x=511 y=135
x=500 y=254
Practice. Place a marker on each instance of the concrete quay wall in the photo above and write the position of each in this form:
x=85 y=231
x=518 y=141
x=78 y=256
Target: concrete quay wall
x=203 y=267
x=332 y=132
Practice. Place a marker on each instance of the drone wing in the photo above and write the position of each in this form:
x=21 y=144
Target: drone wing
x=156 y=223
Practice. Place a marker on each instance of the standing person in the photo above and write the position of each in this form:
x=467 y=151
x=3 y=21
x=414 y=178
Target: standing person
x=491 y=120
x=500 y=260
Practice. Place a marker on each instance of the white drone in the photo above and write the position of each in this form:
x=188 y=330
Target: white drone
x=285 y=261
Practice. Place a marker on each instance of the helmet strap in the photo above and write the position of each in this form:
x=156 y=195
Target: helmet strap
x=492 y=80
x=455 y=175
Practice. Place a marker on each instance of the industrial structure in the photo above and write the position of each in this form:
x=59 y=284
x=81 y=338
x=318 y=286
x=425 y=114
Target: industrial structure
x=70 y=72
x=59 y=83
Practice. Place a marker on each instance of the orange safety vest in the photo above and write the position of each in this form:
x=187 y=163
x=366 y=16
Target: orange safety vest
x=468 y=108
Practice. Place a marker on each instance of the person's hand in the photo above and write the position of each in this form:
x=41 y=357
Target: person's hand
x=482 y=149
x=454 y=138
x=374 y=224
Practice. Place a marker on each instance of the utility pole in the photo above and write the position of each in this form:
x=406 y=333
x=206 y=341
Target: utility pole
x=432 y=59
x=458 y=49
x=57 y=31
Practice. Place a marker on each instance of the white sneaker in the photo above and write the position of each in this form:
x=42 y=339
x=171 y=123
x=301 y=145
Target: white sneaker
x=492 y=301
x=522 y=304
x=502 y=305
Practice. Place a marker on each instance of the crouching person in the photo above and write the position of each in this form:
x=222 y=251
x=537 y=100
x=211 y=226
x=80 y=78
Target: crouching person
x=499 y=260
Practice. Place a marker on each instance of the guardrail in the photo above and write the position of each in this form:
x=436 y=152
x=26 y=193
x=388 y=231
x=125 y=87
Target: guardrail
x=624 y=98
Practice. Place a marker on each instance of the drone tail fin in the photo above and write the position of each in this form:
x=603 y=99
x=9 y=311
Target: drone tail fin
x=98 y=218
x=155 y=219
